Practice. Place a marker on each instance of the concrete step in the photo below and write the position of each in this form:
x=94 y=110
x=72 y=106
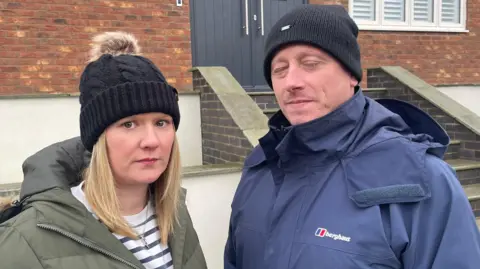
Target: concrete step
x=468 y=171
x=9 y=189
x=374 y=90
x=453 y=151
x=463 y=164
x=375 y=93
x=472 y=191
x=263 y=93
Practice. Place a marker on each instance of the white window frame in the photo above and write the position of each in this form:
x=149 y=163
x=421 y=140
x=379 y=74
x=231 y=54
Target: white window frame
x=409 y=25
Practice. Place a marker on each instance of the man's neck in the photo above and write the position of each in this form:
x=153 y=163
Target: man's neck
x=132 y=198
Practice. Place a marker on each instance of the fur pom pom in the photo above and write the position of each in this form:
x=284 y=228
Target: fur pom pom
x=114 y=43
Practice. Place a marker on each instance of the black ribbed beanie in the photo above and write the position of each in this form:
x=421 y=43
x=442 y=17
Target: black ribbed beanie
x=118 y=85
x=328 y=27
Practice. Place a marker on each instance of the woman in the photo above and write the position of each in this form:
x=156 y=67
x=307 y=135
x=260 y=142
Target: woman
x=127 y=209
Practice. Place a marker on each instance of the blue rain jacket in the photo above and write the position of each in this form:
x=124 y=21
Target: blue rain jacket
x=362 y=187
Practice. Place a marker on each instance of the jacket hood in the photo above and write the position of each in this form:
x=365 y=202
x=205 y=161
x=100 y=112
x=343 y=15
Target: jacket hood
x=423 y=128
x=57 y=166
x=352 y=127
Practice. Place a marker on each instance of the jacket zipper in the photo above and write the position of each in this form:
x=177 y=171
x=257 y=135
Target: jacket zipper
x=86 y=244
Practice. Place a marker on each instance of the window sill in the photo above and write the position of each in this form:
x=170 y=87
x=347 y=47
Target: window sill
x=411 y=29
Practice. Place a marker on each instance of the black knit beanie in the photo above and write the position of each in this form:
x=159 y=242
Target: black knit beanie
x=328 y=27
x=118 y=84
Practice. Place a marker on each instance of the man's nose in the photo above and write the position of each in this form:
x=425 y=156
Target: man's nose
x=294 y=78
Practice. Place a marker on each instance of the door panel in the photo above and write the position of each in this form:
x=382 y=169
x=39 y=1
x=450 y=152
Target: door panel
x=219 y=35
x=218 y=38
x=273 y=10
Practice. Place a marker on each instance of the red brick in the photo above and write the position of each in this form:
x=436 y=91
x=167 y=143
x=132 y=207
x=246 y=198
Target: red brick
x=164 y=29
x=54 y=40
x=425 y=53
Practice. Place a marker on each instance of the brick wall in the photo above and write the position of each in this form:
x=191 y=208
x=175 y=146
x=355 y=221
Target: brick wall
x=222 y=140
x=44 y=43
x=437 y=58
x=265 y=100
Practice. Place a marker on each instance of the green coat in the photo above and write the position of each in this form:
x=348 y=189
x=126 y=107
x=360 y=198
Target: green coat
x=54 y=230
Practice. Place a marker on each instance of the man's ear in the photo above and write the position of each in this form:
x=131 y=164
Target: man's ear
x=353 y=81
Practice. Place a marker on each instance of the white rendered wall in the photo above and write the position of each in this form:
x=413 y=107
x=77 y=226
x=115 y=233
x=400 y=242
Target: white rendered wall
x=31 y=124
x=208 y=201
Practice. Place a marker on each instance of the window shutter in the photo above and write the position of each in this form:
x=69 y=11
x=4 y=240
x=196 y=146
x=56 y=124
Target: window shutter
x=364 y=10
x=423 y=10
x=394 y=10
x=451 y=11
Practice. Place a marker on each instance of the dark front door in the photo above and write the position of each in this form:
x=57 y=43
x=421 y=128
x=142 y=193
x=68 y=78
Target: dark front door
x=232 y=33
x=272 y=11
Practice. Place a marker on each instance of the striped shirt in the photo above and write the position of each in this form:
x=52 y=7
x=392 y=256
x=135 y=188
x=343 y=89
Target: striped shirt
x=153 y=256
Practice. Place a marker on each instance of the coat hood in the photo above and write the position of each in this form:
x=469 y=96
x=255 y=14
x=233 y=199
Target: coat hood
x=57 y=166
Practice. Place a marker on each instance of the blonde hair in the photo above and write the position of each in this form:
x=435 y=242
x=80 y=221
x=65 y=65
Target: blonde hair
x=113 y=43
x=100 y=192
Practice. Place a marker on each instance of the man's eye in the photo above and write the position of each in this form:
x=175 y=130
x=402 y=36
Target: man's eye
x=279 y=69
x=310 y=65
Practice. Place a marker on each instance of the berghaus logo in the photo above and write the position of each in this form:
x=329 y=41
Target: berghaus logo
x=322 y=232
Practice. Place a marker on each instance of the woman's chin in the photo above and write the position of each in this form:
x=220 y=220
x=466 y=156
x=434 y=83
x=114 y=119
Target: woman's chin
x=145 y=178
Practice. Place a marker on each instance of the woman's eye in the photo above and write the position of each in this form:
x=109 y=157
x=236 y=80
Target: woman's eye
x=128 y=124
x=162 y=123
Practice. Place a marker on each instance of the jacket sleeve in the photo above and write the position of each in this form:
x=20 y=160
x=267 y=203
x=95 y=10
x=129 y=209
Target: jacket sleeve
x=196 y=258
x=444 y=231
x=15 y=251
x=229 y=253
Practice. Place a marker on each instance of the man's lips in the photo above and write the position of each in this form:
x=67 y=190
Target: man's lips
x=299 y=101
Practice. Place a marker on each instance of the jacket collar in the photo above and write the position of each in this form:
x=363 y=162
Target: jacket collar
x=326 y=137
x=73 y=216
x=65 y=212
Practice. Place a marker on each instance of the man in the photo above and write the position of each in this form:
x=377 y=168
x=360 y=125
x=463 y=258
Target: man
x=341 y=181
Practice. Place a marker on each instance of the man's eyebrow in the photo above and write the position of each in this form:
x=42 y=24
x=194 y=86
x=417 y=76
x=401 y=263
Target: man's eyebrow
x=313 y=54
x=280 y=59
